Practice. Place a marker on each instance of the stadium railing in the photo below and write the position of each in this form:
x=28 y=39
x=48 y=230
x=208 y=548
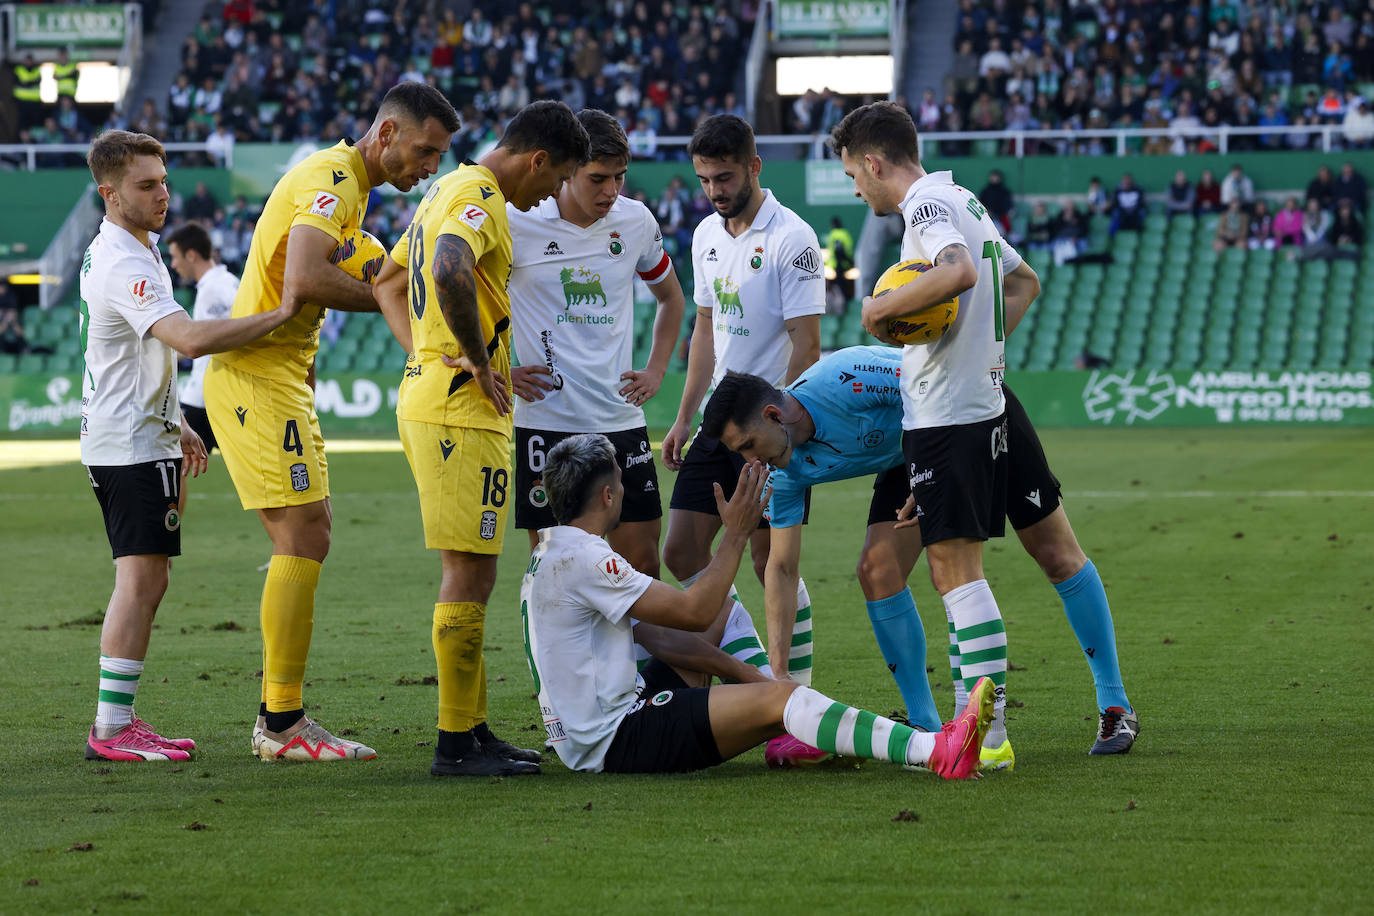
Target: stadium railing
x=27 y=155
x=1329 y=138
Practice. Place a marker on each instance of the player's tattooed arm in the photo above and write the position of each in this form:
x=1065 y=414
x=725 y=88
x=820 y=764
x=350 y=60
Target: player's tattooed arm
x=455 y=285
x=955 y=255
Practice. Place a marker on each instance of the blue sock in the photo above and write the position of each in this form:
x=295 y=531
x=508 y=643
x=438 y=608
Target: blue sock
x=902 y=640
x=1085 y=604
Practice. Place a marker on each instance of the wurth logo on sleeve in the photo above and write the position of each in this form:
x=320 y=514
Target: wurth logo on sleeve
x=324 y=204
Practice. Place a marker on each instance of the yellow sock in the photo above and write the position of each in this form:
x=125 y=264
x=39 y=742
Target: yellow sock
x=458 y=627
x=288 y=618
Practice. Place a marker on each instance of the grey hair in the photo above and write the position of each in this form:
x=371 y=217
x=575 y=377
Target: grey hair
x=572 y=468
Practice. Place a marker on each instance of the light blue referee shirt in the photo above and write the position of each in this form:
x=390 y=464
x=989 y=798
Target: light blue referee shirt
x=854 y=397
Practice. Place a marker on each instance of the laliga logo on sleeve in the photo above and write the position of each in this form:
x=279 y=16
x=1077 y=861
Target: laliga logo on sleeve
x=324 y=204
x=143 y=291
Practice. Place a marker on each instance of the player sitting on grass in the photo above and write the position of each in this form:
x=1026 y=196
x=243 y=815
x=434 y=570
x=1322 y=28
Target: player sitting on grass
x=838 y=421
x=577 y=600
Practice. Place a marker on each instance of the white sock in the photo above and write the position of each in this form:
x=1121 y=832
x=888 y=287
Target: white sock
x=118 y=683
x=813 y=717
x=981 y=639
x=799 y=663
x=741 y=638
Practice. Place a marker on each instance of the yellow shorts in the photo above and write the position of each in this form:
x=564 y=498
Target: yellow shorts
x=464 y=479
x=270 y=437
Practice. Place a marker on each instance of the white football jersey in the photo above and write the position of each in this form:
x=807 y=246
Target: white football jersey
x=129 y=408
x=957 y=379
x=572 y=310
x=214 y=299
x=575 y=600
x=753 y=284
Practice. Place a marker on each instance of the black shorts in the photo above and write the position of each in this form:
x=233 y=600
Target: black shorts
x=890 y=491
x=708 y=461
x=1032 y=489
x=958 y=475
x=139 y=502
x=638 y=473
x=667 y=731
x=197 y=419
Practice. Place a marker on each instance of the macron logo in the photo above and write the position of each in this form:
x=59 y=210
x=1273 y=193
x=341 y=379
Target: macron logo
x=1034 y=497
x=446 y=446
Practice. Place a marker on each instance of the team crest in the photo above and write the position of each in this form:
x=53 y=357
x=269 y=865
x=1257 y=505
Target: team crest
x=756 y=262
x=487 y=531
x=615 y=247
x=300 y=478
x=539 y=497
x=662 y=698
x=172 y=520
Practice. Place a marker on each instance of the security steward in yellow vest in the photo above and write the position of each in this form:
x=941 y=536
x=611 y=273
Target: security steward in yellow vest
x=64 y=71
x=27 y=76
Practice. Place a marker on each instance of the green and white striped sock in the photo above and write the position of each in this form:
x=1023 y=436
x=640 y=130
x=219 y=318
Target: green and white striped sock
x=982 y=644
x=960 y=691
x=741 y=638
x=118 y=684
x=813 y=717
x=799 y=663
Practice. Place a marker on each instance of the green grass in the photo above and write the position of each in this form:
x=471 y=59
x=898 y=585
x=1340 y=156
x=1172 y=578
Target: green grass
x=1245 y=630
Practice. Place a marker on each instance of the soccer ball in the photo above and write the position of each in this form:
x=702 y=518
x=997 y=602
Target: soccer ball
x=360 y=255
x=927 y=325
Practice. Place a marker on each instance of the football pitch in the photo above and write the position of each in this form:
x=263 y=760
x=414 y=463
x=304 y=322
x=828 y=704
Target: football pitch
x=1239 y=564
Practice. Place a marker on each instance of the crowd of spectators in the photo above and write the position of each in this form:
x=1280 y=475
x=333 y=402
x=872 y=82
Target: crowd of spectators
x=1184 y=66
x=271 y=70
x=1327 y=223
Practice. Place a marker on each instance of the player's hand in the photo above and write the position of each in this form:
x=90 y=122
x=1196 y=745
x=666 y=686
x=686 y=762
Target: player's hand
x=741 y=515
x=642 y=384
x=195 y=460
x=875 y=323
x=673 y=444
x=291 y=305
x=906 y=516
x=493 y=384
x=529 y=384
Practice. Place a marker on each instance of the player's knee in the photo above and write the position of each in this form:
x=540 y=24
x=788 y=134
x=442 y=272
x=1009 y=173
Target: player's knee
x=878 y=578
x=683 y=560
x=760 y=565
x=1055 y=550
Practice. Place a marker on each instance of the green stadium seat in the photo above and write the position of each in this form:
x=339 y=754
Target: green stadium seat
x=31 y=364
x=9 y=363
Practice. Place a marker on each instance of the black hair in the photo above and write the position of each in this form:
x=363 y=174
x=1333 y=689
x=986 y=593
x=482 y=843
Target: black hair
x=549 y=126
x=418 y=101
x=606 y=135
x=723 y=136
x=192 y=237
x=738 y=399
x=884 y=128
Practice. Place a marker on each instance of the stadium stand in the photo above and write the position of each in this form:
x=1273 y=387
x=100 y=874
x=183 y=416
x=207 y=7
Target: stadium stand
x=1165 y=64
x=1290 y=290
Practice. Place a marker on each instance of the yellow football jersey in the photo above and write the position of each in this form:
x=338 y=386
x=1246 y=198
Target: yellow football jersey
x=327 y=190
x=467 y=203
